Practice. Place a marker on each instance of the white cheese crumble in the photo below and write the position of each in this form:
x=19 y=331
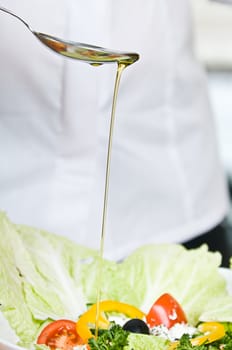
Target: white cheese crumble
x=80 y=347
x=118 y=319
x=175 y=332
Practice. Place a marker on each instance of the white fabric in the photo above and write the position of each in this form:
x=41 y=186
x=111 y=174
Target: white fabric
x=166 y=180
x=224 y=1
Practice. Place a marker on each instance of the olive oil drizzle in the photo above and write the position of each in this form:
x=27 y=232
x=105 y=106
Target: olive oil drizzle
x=95 y=56
x=120 y=68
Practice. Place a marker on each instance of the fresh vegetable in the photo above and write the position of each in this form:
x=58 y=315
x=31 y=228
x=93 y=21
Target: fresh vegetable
x=217 y=309
x=60 y=335
x=185 y=344
x=224 y=343
x=39 y=278
x=211 y=331
x=114 y=338
x=135 y=325
x=156 y=269
x=146 y=342
x=65 y=334
x=166 y=311
x=89 y=317
x=44 y=278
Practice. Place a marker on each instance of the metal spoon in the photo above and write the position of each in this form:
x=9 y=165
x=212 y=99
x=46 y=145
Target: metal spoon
x=94 y=55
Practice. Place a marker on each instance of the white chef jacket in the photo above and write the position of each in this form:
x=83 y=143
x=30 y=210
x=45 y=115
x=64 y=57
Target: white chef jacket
x=166 y=180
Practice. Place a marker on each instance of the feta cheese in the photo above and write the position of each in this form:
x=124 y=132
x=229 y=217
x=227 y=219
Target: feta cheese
x=175 y=332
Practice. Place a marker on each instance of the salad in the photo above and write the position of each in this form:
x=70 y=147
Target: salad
x=164 y=326
x=159 y=297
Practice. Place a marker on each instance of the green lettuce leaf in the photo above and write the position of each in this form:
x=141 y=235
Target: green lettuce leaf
x=114 y=286
x=12 y=296
x=40 y=278
x=55 y=288
x=218 y=309
x=191 y=276
x=146 y=342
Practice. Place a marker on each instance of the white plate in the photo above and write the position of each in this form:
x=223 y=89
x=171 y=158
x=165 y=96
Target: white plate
x=9 y=337
x=5 y=345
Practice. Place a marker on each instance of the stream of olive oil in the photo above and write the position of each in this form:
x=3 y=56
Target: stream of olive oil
x=120 y=69
x=96 y=57
x=121 y=65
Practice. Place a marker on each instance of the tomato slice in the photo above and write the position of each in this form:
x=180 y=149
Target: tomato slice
x=166 y=311
x=60 y=334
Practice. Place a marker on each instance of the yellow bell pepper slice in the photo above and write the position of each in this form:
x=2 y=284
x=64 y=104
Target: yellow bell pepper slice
x=89 y=317
x=212 y=331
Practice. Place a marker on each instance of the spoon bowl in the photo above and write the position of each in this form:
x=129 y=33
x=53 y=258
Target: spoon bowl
x=94 y=55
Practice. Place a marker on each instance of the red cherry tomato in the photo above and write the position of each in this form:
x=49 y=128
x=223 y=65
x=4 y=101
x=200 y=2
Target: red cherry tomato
x=60 y=334
x=166 y=311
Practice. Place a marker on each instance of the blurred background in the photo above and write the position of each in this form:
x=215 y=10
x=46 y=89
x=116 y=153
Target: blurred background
x=213 y=47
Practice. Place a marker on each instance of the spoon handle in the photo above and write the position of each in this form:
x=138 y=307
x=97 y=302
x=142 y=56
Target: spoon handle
x=13 y=14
